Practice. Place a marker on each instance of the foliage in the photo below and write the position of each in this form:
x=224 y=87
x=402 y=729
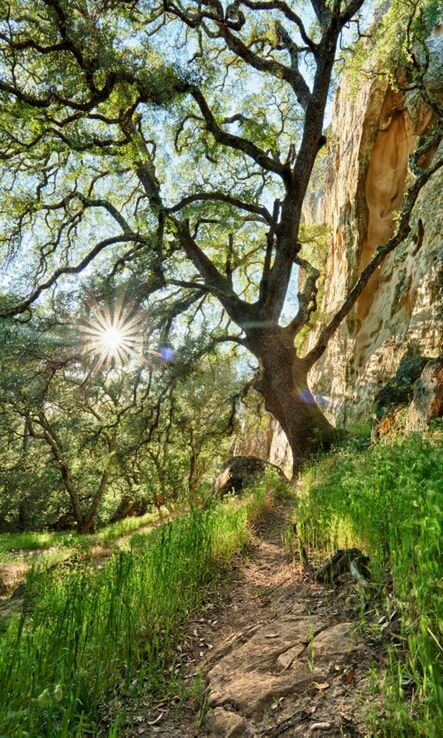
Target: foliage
x=167 y=148
x=387 y=500
x=396 y=46
x=76 y=441
x=83 y=631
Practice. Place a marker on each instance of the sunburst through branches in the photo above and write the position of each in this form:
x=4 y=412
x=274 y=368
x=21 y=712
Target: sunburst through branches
x=112 y=334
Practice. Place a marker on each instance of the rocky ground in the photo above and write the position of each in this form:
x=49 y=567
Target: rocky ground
x=279 y=656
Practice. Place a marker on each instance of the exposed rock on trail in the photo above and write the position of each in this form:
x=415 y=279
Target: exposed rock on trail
x=283 y=657
x=269 y=683
x=11 y=575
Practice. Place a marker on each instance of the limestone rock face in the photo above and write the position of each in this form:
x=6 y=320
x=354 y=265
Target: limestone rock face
x=265 y=443
x=357 y=189
x=280 y=452
x=401 y=310
x=254 y=444
x=399 y=390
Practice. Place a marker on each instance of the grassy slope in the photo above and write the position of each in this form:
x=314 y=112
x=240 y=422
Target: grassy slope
x=87 y=633
x=388 y=501
x=31 y=540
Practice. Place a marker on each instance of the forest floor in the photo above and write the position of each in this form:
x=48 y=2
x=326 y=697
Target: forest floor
x=278 y=655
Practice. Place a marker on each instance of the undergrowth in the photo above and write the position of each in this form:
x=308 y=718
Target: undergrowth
x=83 y=633
x=387 y=500
x=31 y=540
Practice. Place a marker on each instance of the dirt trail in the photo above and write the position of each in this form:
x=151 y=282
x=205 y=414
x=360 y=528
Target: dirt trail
x=280 y=656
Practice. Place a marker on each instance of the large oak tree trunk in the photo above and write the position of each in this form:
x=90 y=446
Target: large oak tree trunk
x=284 y=386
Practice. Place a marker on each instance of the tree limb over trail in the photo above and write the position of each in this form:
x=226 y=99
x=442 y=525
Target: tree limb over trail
x=24 y=305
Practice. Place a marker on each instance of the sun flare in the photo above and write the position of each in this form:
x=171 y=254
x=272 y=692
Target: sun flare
x=112 y=334
x=112 y=339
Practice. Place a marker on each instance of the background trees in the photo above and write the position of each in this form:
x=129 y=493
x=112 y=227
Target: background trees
x=81 y=447
x=169 y=147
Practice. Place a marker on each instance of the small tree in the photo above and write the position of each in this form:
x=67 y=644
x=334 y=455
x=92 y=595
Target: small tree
x=174 y=142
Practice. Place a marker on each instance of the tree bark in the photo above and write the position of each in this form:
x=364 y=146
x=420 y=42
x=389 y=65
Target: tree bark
x=284 y=386
x=87 y=525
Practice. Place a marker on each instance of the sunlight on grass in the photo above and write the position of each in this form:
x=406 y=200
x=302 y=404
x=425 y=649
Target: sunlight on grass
x=32 y=540
x=388 y=501
x=15 y=545
x=81 y=633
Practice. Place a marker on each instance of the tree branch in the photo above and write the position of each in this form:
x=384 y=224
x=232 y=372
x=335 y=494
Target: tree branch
x=270 y=66
x=21 y=307
x=233 y=141
x=222 y=197
x=322 y=12
x=307 y=298
x=350 y=11
x=288 y=13
x=215 y=281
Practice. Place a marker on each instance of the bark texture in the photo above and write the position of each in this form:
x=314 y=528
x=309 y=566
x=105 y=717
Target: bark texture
x=285 y=389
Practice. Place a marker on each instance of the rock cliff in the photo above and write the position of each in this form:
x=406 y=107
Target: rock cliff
x=365 y=173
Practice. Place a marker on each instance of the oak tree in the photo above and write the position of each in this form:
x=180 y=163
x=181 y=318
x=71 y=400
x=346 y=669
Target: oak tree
x=169 y=144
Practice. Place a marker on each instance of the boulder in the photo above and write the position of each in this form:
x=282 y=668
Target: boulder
x=239 y=472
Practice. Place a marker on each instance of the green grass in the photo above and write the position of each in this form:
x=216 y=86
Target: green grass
x=90 y=635
x=388 y=500
x=32 y=540
x=127 y=526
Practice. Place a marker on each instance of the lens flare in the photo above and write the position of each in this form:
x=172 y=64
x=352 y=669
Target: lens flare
x=112 y=334
x=112 y=339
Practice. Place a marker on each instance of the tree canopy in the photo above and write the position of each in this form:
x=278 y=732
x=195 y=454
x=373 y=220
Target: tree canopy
x=164 y=150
